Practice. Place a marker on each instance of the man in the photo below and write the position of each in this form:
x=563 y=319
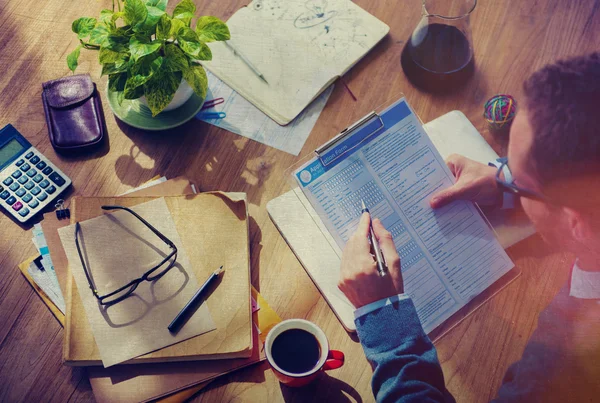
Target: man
x=554 y=166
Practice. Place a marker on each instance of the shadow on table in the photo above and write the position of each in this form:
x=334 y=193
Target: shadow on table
x=325 y=388
x=163 y=147
x=255 y=249
x=212 y=158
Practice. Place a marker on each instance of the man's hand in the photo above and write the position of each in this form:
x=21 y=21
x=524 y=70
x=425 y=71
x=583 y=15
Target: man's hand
x=359 y=279
x=474 y=181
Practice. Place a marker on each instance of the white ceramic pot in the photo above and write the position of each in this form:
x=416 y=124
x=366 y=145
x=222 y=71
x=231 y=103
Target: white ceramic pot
x=183 y=93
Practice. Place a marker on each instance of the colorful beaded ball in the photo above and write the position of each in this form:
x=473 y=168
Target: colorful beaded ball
x=499 y=111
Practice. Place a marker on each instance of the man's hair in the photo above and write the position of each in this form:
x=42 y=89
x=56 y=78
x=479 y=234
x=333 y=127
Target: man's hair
x=563 y=104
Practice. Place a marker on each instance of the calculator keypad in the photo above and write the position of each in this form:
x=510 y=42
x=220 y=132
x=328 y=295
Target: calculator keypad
x=29 y=184
x=57 y=179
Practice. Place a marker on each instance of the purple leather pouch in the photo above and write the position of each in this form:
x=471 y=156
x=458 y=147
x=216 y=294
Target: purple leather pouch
x=73 y=113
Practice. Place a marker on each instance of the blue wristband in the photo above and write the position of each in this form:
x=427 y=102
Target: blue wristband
x=508 y=199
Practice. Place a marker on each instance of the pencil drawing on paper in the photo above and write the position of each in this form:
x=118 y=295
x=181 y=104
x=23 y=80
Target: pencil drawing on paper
x=316 y=14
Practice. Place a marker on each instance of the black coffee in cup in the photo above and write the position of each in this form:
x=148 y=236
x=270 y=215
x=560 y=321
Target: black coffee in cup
x=296 y=351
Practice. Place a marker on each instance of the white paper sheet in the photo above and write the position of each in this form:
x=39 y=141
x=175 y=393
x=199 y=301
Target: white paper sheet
x=117 y=250
x=51 y=286
x=245 y=119
x=449 y=255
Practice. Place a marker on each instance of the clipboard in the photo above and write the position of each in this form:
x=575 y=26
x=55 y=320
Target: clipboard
x=317 y=250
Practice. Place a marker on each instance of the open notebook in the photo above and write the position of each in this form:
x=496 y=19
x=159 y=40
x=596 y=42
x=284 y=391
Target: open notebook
x=299 y=46
x=313 y=244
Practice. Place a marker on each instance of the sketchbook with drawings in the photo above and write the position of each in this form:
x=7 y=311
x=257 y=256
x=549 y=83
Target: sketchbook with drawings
x=299 y=46
x=451 y=260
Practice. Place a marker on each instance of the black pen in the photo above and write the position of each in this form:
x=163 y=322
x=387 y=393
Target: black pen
x=187 y=309
x=381 y=267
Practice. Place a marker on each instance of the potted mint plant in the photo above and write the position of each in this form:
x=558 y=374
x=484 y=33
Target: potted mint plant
x=149 y=54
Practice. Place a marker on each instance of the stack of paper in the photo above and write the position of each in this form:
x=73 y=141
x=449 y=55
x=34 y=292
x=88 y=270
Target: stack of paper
x=152 y=381
x=119 y=248
x=245 y=119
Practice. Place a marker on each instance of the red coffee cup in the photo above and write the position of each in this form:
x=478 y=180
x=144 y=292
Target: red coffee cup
x=297 y=351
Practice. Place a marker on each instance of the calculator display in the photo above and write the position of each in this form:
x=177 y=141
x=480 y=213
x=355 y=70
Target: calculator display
x=9 y=150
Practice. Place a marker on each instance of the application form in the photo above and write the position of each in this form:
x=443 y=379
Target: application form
x=449 y=255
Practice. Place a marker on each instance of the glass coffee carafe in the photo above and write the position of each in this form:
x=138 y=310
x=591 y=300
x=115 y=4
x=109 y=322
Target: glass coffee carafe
x=438 y=56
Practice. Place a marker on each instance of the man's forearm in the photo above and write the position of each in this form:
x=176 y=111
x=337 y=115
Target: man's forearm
x=405 y=363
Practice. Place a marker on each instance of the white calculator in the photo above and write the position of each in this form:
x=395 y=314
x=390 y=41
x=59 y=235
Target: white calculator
x=28 y=180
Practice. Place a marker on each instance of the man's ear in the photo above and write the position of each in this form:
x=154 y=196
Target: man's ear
x=580 y=227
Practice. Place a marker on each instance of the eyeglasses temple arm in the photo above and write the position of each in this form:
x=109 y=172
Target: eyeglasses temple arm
x=157 y=232
x=85 y=271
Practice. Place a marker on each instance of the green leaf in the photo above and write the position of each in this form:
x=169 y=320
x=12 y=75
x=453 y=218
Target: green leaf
x=134 y=88
x=163 y=29
x=116 y=82
x=154 y=15
x=160 y=4
x=109 y=68
x=118 y=15
x=175 y=59
x=135 y=13
x=176 y=25
x=184 y=11
x=112 y=55
x=160 y=90
x=106 y=16
x=100 y=34
x=147 y=66
x=72 y=59
x=190 y=44
x=117 y=42
x=119 y=67
x=211 y=29
x=186 y=18
x=140 y=46
x=195 y=76
x=120 y=97
x=83 y=26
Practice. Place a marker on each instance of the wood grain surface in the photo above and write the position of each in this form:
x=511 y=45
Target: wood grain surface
x=511 y=40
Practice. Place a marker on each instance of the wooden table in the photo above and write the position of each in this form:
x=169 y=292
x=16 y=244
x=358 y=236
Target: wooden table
x=511 y=40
